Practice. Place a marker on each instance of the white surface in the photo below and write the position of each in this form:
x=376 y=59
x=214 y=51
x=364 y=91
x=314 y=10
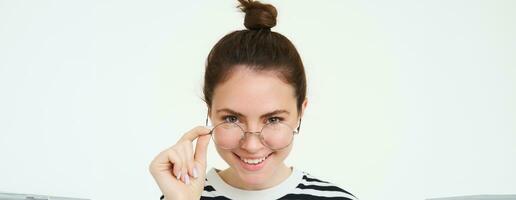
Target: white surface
x=408 y=99
x=11 y=196
x=480 y=197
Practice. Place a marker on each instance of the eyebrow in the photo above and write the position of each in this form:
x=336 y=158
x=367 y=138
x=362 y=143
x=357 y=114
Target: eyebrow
x=275 y=112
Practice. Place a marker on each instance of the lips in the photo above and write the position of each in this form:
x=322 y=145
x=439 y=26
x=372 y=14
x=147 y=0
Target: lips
x=254 y=163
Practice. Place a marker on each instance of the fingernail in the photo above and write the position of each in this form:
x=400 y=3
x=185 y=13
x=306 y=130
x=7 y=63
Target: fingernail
x=178 y=176
x=187 y=179
x=195 y=174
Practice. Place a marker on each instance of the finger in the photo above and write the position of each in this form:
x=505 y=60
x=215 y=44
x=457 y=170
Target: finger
x=162 y=158
x=201 y=148
x=185 y=176
x=184 y=159
x=195 y=133
x=189 y=158
x=175 y=159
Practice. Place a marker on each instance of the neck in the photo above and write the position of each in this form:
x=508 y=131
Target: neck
x=231 y=177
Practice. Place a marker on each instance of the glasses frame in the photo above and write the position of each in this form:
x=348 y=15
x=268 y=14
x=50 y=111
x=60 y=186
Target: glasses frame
x=257 y=133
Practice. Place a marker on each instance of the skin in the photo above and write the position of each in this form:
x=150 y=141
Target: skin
x=251 y=94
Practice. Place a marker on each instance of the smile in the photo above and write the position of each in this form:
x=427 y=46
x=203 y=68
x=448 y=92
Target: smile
x=253 y=161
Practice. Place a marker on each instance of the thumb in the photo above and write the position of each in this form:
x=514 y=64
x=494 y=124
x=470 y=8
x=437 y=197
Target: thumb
x=201 y=149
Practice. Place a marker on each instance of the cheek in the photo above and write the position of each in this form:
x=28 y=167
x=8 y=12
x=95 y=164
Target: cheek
x=226 y=155
x=283 y=154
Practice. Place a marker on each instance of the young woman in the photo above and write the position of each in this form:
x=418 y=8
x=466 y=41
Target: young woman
x=255 y=91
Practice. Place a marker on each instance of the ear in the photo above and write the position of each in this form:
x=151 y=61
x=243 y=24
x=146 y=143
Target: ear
x=208 y=115
x=303 y=107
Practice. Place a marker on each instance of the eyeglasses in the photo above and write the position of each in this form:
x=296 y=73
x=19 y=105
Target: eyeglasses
x=274 y=135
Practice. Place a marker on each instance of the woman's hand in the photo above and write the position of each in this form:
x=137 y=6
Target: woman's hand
x=178 y=170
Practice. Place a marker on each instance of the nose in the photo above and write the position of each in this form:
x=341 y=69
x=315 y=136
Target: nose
x=252 y=141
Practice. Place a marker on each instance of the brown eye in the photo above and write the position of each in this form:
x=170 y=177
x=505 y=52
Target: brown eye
x=230 y=119
x=274 y=120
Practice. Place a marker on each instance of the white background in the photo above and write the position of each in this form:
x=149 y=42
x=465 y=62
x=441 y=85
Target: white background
x=407 y=99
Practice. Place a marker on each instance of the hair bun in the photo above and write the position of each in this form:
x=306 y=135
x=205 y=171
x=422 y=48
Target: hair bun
x=258 y=15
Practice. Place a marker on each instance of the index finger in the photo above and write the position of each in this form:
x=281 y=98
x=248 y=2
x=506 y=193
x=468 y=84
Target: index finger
x=195 y=133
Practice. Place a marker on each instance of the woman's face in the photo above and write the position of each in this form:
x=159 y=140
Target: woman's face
x=248 y=98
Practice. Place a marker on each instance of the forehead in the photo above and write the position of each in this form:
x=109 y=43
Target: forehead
x=251 y=92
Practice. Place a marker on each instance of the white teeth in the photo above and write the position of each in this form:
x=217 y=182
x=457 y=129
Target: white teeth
x=253 y=161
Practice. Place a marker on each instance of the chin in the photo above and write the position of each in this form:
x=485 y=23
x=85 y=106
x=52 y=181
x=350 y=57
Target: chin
x=254 y=179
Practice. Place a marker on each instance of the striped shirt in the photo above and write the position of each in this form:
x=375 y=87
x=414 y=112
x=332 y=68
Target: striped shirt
x=299 y=185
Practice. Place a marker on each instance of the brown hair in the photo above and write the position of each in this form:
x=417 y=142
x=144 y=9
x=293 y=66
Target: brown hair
x=257 y=48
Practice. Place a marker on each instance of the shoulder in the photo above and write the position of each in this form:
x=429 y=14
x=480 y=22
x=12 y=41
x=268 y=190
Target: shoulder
x=310 y=187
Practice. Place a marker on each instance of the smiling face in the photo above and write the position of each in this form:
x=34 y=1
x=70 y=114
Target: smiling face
x=252 y=99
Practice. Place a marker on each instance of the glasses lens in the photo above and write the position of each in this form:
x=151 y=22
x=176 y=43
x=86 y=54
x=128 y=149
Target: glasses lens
x=277 y=135
x=227 y=135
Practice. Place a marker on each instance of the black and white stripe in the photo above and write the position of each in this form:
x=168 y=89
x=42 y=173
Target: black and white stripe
x=308 y=188
x=313 y=188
